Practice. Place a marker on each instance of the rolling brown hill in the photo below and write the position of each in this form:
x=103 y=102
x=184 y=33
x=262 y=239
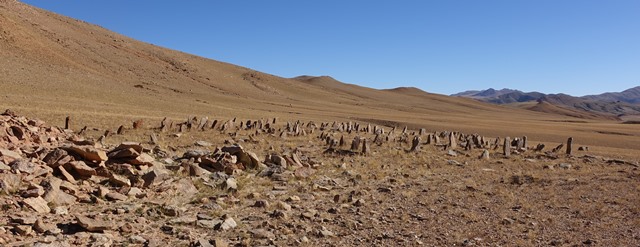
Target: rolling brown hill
x=53 y=66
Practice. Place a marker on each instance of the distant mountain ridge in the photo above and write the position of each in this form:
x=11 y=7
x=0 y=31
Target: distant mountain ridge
x=606 y=105
x=631 y=95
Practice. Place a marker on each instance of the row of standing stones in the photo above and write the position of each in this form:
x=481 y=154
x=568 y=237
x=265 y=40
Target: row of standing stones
x=468 y=142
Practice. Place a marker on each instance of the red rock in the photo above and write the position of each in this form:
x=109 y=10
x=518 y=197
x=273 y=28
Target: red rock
x=82 y=168
x=66 y=175
x=54 y=156
x=88 y=153
x=93 y=225
x=128 y=153
x=143 y=159
x=119 y=180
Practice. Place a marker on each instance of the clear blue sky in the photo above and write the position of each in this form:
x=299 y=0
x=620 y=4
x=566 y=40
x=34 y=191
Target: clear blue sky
x=572 y=46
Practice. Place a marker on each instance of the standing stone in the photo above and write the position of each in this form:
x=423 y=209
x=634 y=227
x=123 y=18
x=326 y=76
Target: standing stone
x=524 y=143
x=496 y=144
x=507 y=147
x=83 y=130
x=341 y=141
x=365 y=146
x=66 y=122
x=203 y=123
x=377 y=139
x=415 y=146
x=569 y=142
x=468 y=145
x=484 y=155
x=452 y=141
x=355 y=143
x=519 y=144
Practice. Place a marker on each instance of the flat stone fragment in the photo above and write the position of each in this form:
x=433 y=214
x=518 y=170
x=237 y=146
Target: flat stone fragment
x=209 y=224
x=203 y=144
x=23 y=166
x=82 y=168
x=127 y=153
x=262 y=234
x=38 y=204
x=115 y=196
x=88 y=153
x=119 y=180
x=92 y=225
x=142 y=159
x=9 y=154
x=228 y=224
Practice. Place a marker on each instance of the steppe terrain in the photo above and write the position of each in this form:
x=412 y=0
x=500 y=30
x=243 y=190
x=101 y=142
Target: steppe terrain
x=151 y=155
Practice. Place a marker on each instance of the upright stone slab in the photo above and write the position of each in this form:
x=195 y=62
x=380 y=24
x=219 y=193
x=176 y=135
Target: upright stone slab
x=67 y=121
x=415 y=146
x=365 y=146
x=506 y=149
x=452 y=141
x=519 y=144
x=377 y=139
x=525 y=145
x=355 y=143
x=569 y=143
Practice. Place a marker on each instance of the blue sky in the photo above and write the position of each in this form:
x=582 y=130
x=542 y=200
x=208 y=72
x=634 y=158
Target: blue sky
x=571 y=46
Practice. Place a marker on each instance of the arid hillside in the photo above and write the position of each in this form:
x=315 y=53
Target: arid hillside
x=54 y=66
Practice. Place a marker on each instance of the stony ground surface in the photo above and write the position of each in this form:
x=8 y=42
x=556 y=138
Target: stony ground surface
x=297 y=184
